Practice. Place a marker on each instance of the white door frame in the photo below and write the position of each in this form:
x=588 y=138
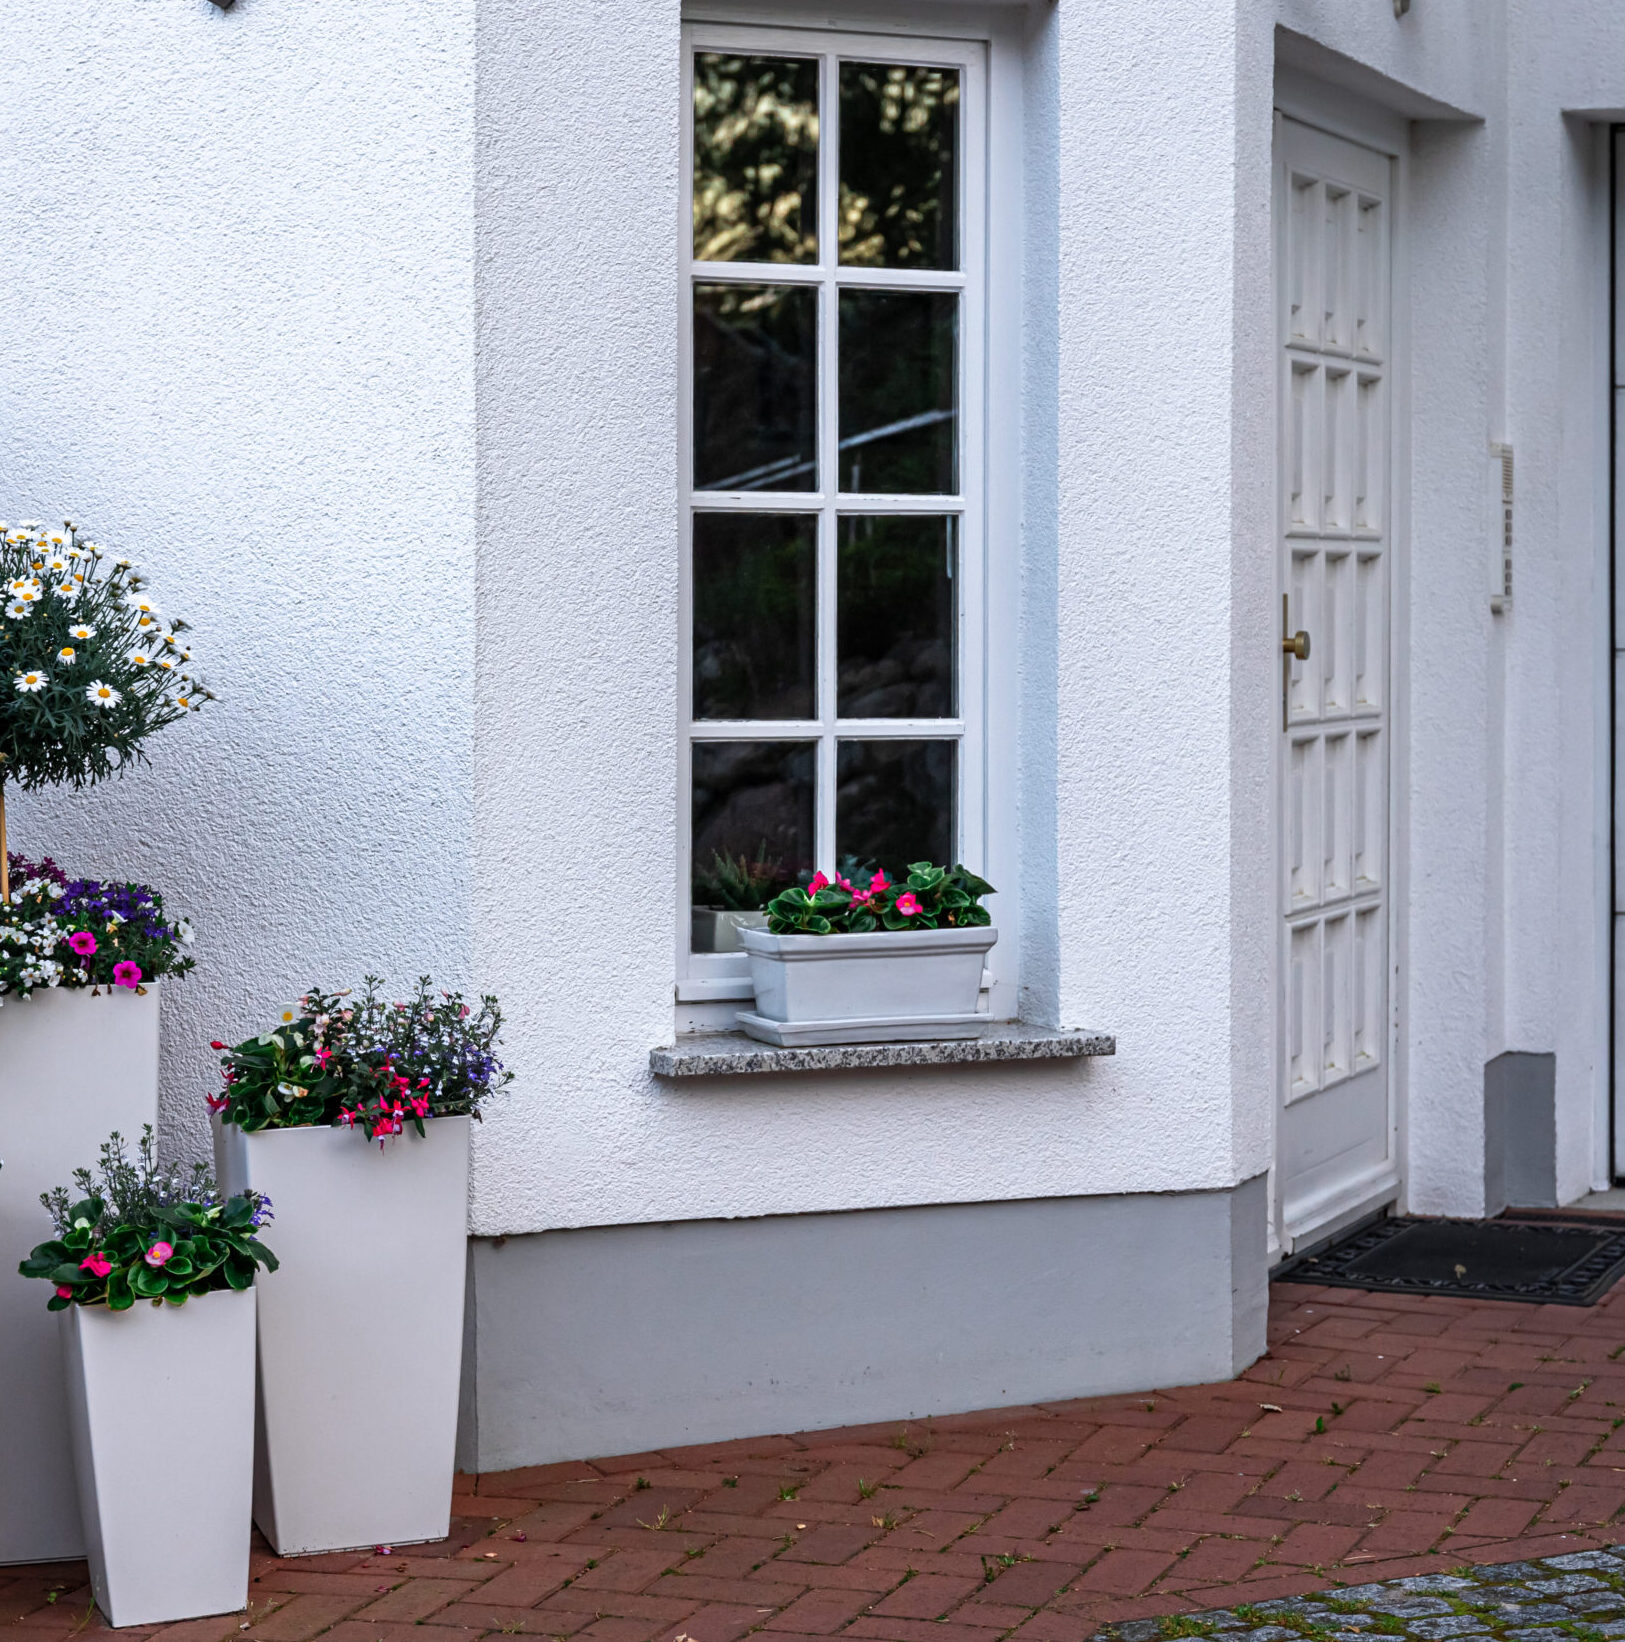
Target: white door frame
x=1344 y=114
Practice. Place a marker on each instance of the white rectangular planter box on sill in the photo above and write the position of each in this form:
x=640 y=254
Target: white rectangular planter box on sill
x=361 y=1330
x=885 y=987
x=161 y=1414
x=73 y=1068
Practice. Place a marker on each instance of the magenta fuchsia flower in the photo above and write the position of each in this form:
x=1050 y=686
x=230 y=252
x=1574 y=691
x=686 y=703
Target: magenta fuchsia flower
x=322 y=1057
x=158 y=1254
x=217 y=1103
x=83 y=943
x=907 y=904
x=97 y=1264
x=127 y=975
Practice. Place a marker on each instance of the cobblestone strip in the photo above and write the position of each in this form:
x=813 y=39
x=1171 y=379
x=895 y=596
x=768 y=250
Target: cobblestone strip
x=1575 y=1598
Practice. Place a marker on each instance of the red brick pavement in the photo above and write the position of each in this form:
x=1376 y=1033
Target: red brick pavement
x=1381 y=1436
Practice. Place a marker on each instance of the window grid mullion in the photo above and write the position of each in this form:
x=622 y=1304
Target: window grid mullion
x=829 y=253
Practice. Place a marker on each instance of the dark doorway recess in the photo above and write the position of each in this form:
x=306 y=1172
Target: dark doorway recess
x=1546 y=1262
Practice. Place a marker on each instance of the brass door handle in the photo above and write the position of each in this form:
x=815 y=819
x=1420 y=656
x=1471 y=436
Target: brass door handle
x=1297 y=645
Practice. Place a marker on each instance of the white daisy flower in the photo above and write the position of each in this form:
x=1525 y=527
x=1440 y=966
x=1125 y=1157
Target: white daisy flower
x=57 y=564
x=83 y=632
x=30 y=681
x=164 y=663
x=17 y=611
x=149 y=627
x=68 y=592
x=103 y=695
x=26 y=595
x=67 y=655
x=141 y=656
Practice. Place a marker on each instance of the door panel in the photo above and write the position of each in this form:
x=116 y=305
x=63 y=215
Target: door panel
x=1335 y=1144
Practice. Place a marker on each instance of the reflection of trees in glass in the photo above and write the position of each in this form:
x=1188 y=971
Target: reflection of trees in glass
x=895 y=602
x=754 y=611
x=894 y=802
x=898 y=391
x=755 y=353
x=898 y=161
x=755 y=159
x=752 y=799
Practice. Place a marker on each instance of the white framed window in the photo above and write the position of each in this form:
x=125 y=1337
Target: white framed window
x=834 y=462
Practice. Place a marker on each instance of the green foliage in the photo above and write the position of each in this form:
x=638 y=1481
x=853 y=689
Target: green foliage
x=139 y=1232
x=89 y=668
x=736 y=883
x=930 y=898
x=368 y=1064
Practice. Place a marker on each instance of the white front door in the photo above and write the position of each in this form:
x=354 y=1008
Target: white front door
x=1335 y=1155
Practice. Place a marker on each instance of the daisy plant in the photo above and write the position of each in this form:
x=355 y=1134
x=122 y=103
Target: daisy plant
x=137 y=1231
x=89 y=666
x=78 y=932
x=361 y=1062
x=929 y=898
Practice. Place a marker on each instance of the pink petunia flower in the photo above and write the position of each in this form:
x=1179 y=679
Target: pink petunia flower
x=127 y=974
x=907 y=905
x=97 y=1264
x=158 y=1254
x=83 y=943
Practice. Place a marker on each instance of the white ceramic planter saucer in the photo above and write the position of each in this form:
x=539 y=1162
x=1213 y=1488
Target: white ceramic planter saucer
x=884 y=1029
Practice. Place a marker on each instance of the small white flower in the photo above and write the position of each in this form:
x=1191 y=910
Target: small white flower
x=67 y=655
x=148 y=626
x=68 y=591
x=17 y=611
x=140 y=601
x=164 y=664
x=57 y=564
x=83 y=632
x=103 y=695
x=183 y=931
x=30 y=681
x=141 y=656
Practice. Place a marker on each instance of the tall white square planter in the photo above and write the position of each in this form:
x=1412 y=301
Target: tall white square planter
x=161 y=1417
x=72 y=1069
x=885 y=987
x=361 y=1330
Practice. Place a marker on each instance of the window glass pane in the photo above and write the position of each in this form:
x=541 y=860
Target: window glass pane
x=899 y=162
x=755 y=576
x=899 y=422
x=755 y=158
x=894 y=803
x=895 y=625
x=755 y=359
x=753 y=828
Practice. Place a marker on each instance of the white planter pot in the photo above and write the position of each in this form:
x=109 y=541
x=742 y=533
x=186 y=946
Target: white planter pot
x=879 y=988
x=161 y=1415
x=361 y=1330
x=72 y=1069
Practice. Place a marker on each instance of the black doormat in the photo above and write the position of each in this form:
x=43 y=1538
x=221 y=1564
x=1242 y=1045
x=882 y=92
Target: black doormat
x=1569 y=1264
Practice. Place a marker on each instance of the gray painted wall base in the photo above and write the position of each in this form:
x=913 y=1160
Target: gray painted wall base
x=1520 y=1132
x=615 y=1339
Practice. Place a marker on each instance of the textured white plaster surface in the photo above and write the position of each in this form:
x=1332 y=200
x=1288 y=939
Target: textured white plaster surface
x=236 y=339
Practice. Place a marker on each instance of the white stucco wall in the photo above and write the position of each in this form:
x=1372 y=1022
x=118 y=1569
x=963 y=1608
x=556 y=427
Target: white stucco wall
x=251 y=259
x=236 y=340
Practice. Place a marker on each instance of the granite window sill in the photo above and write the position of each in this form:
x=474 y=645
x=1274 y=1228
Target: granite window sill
x=732 y=1054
